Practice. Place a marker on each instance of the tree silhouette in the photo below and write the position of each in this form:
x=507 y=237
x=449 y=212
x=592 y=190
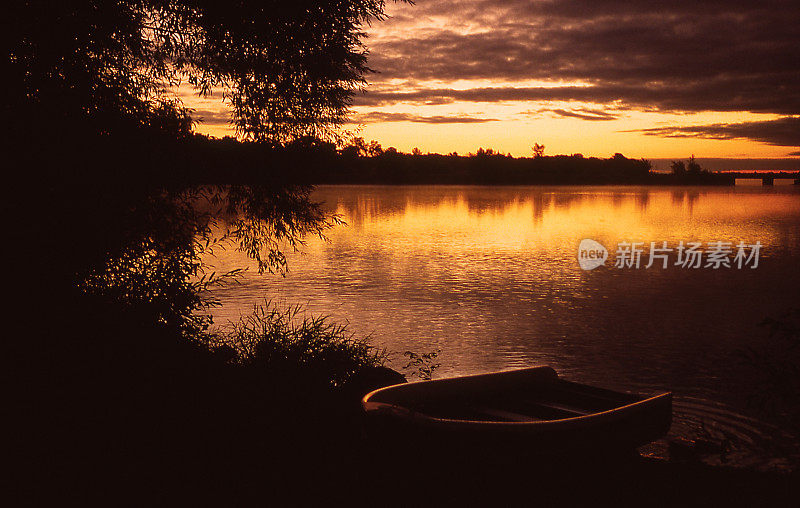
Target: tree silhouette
x=678 y=168
x=288 y=69
x=690 y=171
x=103 y=144
x=693 y=167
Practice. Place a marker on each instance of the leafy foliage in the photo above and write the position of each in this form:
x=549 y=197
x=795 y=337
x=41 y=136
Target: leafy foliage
x=266 y=217
x=288 y=69
x=157 y=260
x=113 y=150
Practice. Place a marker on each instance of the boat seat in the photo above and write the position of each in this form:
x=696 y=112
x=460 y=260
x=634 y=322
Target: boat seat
x=509 y=416
x=538 y=411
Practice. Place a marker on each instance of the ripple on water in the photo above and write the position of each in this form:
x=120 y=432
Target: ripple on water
x=713 y=433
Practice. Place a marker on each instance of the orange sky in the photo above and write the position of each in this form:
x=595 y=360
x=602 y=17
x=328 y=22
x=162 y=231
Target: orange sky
x=455 y=76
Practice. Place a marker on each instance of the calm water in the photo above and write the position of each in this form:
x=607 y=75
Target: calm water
x=489 y=276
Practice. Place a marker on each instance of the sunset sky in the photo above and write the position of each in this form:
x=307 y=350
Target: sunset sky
x=651 y=79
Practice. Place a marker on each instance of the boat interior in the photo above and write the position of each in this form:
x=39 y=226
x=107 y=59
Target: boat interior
x=539 y=397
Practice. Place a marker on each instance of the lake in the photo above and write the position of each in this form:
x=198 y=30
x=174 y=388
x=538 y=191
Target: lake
x=489 y=277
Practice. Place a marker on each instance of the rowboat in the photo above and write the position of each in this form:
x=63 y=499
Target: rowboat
x=528 y=410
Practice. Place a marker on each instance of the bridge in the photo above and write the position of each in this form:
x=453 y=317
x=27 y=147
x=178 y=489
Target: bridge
x=766 y=177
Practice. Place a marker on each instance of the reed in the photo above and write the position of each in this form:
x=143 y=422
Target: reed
x=290 y=342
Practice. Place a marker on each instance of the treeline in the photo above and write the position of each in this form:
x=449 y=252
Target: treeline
x=144 y=158
x=226 y=160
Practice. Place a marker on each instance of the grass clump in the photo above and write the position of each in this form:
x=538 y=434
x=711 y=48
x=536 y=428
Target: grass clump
x=290 y=344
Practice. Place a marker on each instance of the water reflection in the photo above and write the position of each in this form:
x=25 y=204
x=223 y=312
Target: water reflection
x=458 y=251
x=489 y=276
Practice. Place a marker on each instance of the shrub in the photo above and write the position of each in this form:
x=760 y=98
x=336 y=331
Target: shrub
x=288 y=343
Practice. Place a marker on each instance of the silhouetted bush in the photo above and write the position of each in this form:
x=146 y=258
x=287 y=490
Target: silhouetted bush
x=287 y=343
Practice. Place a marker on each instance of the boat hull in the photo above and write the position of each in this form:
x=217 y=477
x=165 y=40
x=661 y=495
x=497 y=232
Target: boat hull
x=532 y=413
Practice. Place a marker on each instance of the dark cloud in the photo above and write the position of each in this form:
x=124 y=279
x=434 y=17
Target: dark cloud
x=700 y=96
x=678 y=55
x=780 y=132
x=794 y=154
x=382 y=116
x=210 y=117
x=584 y=114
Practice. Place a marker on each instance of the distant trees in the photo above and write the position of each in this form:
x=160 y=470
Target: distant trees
x=374 y=149
x=681 y=169
x=693 y=167
x=678 y=168
x=690 y=172
x=358 y=147
x=489 y=152
x=538 y=150
x=355 y=164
